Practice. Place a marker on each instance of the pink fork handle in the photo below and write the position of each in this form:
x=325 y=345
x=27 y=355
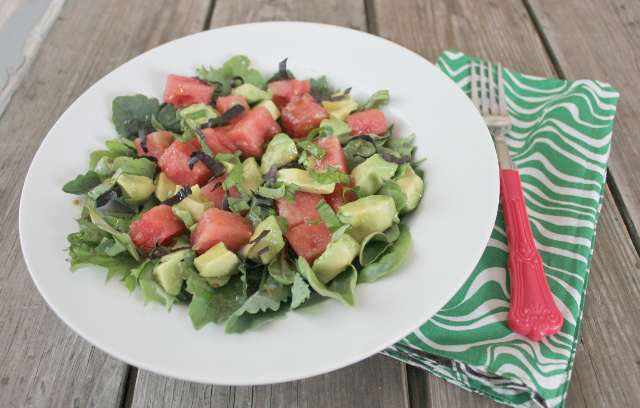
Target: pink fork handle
x=533 y=310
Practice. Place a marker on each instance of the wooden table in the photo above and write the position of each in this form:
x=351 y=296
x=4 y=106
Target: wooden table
x=44 y=363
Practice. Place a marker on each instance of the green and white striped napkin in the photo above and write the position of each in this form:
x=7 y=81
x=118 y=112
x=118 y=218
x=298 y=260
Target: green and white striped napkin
x=560 y=142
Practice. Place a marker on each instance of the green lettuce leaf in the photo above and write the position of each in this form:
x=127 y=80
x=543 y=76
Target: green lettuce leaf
x=83 y=256
x=300 y=291
x=152 y=290
x=281 y=269
x=264 y=305
x=390 y=260
x=375 y=101
x=237 y=66
x=125 y=239
x=213 y=305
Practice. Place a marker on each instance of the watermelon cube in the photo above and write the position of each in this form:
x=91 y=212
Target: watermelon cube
x=214 y=191
x=309 y=241
x=156 y=143
x=157 y=226
x=183 y=91
x=252 y=130
x=174 y=163
x=224 y=103
x=301 y=115
x=303 y=209
x=365 y=122
x=287 y=89
x=218 y=140
x=339 y=197
x=221 y=226
x=334 y=155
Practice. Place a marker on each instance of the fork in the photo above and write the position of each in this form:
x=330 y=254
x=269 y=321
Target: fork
x=533 y=311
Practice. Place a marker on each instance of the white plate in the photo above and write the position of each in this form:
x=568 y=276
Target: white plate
x=450 y=229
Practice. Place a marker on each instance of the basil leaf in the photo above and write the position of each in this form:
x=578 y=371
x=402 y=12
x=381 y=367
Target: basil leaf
x=328 y=216
x=332 y=175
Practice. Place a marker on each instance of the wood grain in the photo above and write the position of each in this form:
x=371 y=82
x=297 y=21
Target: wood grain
x=600 y=40
x=607 y=366
x=43 y=362
x=376 y=382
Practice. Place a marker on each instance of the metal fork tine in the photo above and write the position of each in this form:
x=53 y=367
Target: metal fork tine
x=501 y=93
x=492 y=90
x=483 y=90
x=474 y=85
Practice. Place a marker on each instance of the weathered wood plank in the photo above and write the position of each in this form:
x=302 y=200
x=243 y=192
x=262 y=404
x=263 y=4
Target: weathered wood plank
x=379 y=381
x=23 y=28
x=607 y=364
x=376 y=382
x=600 y=40
x=43 y=362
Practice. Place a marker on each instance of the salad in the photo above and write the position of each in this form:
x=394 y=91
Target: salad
x=246 y=197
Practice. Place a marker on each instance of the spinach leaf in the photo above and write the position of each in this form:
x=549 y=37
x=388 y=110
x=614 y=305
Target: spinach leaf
x=82 y=184
x=132 y=113
x=212 y=305
x=375 y=101
x=390 y=260
x=320 y=86
x=340 y=288
x=168 y=118
x=392 y=189
x=376 y=243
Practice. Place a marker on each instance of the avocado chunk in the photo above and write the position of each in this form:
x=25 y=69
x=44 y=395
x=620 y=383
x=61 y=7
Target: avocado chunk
x=302 y=179
x=197 y=114
x=339 y=127
x=374 y=213
x=369 y=174
x=271 y=107
x=252 y=93
x=217 y=262
x=342 y=108
x=165 y=187
x=266 y=248
x=218 y=281
x=251 y=174
x=413 y=186
x=335 y=258
x=136 y=187
x=168 y=272
x=280 y=151
x=195 y=204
